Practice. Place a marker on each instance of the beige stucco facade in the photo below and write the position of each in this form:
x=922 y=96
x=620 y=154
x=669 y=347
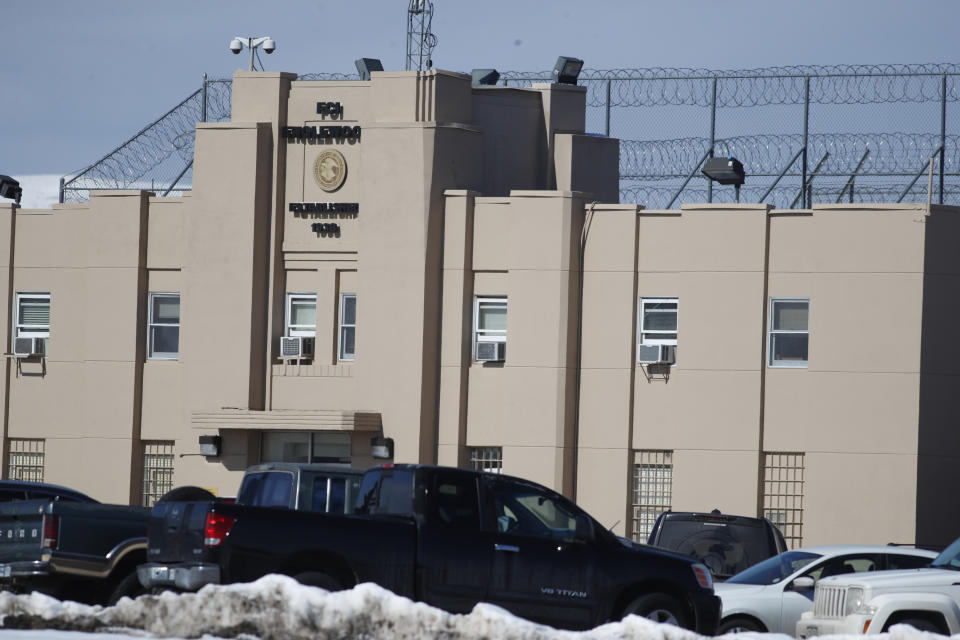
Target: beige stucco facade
x=454 y=193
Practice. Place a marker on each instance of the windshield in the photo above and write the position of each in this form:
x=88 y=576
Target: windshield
x=773 y=570
x=949 y=558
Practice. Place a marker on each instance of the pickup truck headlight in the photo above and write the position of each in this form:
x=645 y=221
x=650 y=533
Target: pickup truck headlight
x=857 y=602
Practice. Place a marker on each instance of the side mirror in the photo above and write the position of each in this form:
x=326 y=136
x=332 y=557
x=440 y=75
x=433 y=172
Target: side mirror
x=803 y=583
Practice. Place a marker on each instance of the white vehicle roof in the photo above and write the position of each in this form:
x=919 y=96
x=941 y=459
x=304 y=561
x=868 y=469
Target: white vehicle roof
x=836 y=549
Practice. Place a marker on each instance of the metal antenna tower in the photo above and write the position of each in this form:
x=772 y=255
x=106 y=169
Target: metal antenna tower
x=420 y=39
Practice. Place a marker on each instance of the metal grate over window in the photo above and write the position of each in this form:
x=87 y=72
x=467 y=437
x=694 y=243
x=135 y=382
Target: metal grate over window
x=652 y=489
x=157 y=470
x=489 y=459
x=26 y=459
x=783 y=494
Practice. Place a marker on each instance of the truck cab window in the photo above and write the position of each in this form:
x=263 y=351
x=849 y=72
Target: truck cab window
x=455 y=502
x=389 y=491
x=527 y=511
x=269 y=489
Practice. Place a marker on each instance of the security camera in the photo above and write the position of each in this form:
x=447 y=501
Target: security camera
x=236 y=46
x=269 y=45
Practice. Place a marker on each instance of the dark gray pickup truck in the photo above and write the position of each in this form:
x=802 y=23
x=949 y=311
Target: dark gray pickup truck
x=68 y=545
x=448 y=537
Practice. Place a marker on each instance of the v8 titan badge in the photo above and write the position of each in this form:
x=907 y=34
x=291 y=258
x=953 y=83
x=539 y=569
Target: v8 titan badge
x=330 y=170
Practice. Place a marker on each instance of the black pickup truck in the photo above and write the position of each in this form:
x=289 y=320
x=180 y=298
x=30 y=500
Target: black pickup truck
x=448 y=537
x=65 y=544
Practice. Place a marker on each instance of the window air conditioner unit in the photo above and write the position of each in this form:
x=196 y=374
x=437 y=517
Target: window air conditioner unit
x=656 y=353
x=491 y=351
x=296 y=347
x=25 y=347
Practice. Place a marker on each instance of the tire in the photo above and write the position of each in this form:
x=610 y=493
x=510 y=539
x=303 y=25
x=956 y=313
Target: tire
x=921 y=624
x=129 y=587
x=739 y=625
x=318 y=579
x=659 y=607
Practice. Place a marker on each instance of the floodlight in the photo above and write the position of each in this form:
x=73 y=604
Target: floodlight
x=210 y=446
x=725 y=171
x=366 y=65
x=567 y=70
x=484 y=77
x=10 y=188
x=381 y=447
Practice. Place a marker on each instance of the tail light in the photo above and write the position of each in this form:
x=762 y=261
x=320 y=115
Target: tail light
x=51 y=531
x=216 y=528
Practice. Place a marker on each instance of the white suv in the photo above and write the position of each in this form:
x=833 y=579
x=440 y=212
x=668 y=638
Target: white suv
x=927 y=599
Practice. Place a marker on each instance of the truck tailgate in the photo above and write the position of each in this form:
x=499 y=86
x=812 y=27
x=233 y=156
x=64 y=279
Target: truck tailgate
x=21 y=529
x=176 y=531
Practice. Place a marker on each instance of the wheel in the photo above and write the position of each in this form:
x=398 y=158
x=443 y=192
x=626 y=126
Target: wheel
x=187 y=493
x=129 y=587
x=739 y=625
x=658 y=607
x=921 y=624
x=318 y=579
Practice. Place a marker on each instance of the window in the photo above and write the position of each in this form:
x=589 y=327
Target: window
x=529 y=511
x=306 y=446
x=490 y=328
x=658 y=321
x=489 y=459
x=33 y=315
x=301 y=314
x=783 y=494
x=652 y=490
x=348 y=326
x=164 y=326
x=157 y=470
x=789 y=331
x=26 y=459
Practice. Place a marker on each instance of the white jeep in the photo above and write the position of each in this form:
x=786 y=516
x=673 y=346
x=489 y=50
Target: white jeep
x=869 y=603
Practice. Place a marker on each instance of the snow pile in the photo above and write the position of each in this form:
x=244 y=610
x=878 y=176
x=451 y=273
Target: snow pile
x=278 y=608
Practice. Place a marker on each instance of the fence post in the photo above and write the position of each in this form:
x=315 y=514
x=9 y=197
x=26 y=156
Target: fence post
x=203 y=109
x=943 y=130
x=713 y=135
x=608 y=108
x=61 y=190
x=806 y=197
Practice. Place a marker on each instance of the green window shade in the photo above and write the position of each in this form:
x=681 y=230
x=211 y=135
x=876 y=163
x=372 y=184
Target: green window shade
x=493 y=318
x=790 y=316
x=166 y=309
x=303 y=313
x=34 y=312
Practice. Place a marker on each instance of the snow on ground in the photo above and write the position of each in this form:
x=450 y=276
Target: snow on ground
x=278 y=608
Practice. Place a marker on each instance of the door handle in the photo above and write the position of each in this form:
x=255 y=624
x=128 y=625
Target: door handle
x=506 y=547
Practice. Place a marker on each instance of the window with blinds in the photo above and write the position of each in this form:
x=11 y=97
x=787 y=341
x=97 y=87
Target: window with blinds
x=33 y=315
x=164 y=326
x=26 y=459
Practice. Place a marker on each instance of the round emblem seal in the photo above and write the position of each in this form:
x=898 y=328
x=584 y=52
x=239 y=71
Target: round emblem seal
x=330 y=170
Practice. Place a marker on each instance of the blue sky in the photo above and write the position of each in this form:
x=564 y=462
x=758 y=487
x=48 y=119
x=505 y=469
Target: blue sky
x=81 y=77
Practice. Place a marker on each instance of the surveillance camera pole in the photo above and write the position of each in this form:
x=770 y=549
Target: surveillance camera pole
x=251 y=44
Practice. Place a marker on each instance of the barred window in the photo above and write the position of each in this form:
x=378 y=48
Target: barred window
x=783 y=494
x=157 y=470
x=489 y=459
x=26 y=459
x=652 y=489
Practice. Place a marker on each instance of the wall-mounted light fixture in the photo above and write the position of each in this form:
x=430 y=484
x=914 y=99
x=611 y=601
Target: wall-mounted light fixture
x=381 y=448
x=366 y=65
x=567 y=70
x=210 y=446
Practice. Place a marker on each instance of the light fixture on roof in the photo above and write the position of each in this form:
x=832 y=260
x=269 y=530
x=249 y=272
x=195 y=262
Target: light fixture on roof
x=567 y=70
x=485 y=77
x=10 y=188
x=237 y=44
x=725 y=171
x=366 y=65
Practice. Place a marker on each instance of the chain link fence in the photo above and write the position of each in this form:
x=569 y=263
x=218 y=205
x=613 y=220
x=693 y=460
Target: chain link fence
x=804 y=134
